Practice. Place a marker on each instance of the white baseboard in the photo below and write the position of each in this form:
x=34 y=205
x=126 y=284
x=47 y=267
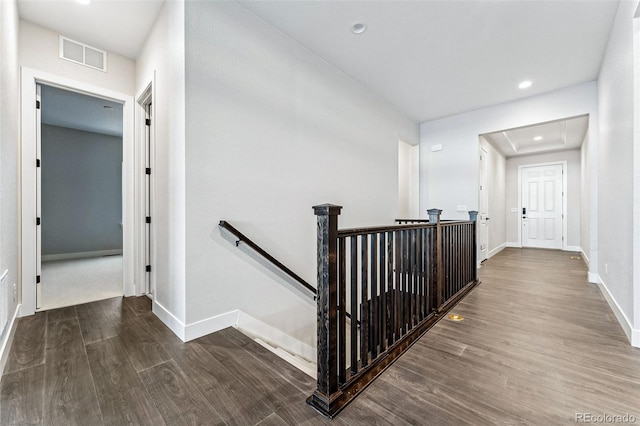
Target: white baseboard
x=187 y=332
x=513 y=245
x=593 y=278
x=169 y=320
x=496 y=250
x=274 y=337
x=249 y=325
x=632 y=334
x=573 y=248
x=211 y=325
x=584 y=256
x=81 y=255
x=5 y=347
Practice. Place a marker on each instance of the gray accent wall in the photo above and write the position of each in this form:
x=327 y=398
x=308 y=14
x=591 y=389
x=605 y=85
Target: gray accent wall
x=81 y=191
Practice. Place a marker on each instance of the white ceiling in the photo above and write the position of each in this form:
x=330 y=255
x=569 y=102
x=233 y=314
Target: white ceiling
x=81 y=112
x=544 y=137
x=120 y=26
x=438 y=58
x=430 y=59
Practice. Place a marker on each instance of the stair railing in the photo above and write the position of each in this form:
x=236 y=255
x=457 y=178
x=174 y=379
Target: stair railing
x=397 y=281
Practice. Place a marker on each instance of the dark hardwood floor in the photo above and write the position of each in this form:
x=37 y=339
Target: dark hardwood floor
x=538 y=345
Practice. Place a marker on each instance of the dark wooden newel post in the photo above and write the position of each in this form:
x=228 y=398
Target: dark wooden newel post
x=327 y=392
x=473 y=216
x=438 y=295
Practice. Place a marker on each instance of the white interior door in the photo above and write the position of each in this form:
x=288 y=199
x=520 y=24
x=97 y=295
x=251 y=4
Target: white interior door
x=542 y=206
x=38 y=197
x=483 y=208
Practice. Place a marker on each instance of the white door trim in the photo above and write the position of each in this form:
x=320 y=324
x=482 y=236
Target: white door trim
x=483 y=201
x=564 y=198
x=29 y=78
x=142 y=98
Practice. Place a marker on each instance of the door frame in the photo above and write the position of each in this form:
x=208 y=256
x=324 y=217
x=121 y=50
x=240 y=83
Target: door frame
x=29 y=79
x=483 y=170
x=143 y=98
x=565 y=196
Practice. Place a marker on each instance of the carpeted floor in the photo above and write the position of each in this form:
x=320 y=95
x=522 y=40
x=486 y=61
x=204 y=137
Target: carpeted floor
x=76 y=281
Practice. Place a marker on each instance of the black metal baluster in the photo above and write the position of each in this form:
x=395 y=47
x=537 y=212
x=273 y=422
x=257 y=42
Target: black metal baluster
x=382 y=297
x=364 y=304
x=342 y=306
x=373 y=314
x=390 y=290
x=354 y=305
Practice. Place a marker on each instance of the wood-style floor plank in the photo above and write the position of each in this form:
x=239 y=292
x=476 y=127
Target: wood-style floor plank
x=70 y=397
x=21 y=397
x=143 y=349
x=280 y=395
x=122 y=396
x=96 y=325
x=178 y=400
x=233 y=401
x=27 y=349
x=538 y=344
x=55 y=315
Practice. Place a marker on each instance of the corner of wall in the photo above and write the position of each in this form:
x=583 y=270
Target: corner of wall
x=7 y=339
x=632 y=334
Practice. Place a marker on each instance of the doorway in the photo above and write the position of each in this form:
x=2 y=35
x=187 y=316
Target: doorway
x=79 y=198
x=543 y=205
x=30 y=79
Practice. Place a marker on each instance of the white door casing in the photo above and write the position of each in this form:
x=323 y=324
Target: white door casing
x=38 y=196
x=145 y=187
x=542 y=206
x=30 y=78
x=483 y=208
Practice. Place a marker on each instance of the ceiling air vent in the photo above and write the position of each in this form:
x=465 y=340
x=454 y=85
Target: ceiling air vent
x=82 y=54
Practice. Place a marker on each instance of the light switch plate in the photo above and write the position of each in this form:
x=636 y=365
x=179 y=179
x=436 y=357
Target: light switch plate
x=514 y=210
x=461 y=208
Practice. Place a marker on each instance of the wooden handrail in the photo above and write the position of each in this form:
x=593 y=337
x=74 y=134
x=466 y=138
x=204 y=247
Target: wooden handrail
x=401 y=280
x=243 y=238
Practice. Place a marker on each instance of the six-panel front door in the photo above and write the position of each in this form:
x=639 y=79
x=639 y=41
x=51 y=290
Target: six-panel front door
x=542 y=206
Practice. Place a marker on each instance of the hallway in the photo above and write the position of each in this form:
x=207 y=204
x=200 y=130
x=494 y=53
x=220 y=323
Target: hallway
x=537 y=345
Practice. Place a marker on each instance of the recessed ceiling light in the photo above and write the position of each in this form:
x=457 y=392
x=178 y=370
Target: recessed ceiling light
x=84 y=1
x=525 y=84
x=537 y=138
x=358 y=28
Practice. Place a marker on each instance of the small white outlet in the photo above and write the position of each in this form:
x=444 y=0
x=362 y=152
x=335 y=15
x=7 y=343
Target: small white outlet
x=606 y=269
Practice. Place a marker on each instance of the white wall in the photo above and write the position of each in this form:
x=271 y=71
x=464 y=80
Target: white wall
x=616 y=169
x=496 y=191
x=585 y=195
x=163 y=54
x=408 y=180
x=271 y=131
x=9 y=143
x=450 y=177
x=39 y=49
x=574 y=189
